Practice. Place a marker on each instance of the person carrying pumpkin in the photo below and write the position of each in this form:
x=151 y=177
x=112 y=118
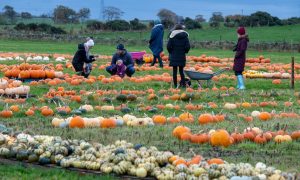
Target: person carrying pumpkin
x=82 y=59
x=156 y=42
x=240 y=56
x=123 y=55
x=178 y=46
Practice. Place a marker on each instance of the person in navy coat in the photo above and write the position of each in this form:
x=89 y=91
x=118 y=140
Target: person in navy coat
x=156 y=42
x=123 y=55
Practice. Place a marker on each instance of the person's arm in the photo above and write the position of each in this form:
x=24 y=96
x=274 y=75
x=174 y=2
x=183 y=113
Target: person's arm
x=169 y=46
x=114 y=60
x=130 y=61
x=241 y=48
x=187 y=45
x=153 y=35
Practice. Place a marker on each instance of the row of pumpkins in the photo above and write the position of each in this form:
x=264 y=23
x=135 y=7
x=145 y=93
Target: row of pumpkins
x=261 y=74
x=32 y=58
x=123 y=158
x=222 y=137
x=13 y=87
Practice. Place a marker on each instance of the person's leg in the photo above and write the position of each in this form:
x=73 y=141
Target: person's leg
x=238 y=83
x=130 y=71
x=111 y=70
x=175 y=76
x=182 y=82
x=160 y=61
x=240 y=80
x=154 y=60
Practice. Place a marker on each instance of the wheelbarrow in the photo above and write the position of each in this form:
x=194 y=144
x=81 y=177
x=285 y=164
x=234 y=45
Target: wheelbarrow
x=138 y=57
x=198 y=76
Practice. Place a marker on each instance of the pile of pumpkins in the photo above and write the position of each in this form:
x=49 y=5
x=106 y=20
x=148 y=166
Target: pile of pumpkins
x=13 y=87
x=261 y=74
x=123 y=158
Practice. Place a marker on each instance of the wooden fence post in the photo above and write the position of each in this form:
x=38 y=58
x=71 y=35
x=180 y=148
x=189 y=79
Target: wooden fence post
x=293 y=73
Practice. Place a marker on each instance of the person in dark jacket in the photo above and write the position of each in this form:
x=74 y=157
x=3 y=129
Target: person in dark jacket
x=240 y=56
x=82 y=59
x=156 y=42
x=178 y=46
x=123 y=55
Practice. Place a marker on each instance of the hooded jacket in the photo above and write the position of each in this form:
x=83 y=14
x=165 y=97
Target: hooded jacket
x=178 y=46
x=156 y=39
x=80 y=58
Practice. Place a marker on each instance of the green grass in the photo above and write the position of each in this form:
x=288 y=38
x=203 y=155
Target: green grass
x=12 y=172
x=70 y=48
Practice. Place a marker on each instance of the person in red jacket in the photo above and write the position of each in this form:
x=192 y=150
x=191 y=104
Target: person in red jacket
x=240 y=56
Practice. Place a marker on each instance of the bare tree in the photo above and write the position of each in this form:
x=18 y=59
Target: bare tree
x=168 y=17
x=199 y=18
x=83 y=14
x=112 y=13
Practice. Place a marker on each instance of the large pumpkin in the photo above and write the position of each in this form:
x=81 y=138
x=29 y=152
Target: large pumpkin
x=108 y=123
x=76 y=122
x=159 y=119
x=264 y=116
x=205 y=118
x=220 y=138
x=179 y=130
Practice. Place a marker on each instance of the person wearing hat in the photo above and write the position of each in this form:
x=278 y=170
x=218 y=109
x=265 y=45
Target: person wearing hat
x=178 y=46
x=156 y=42
x=240 y=56
x=123 y=55
x=82 y=59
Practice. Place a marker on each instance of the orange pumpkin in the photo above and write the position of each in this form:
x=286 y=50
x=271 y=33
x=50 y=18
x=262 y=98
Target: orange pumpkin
x=186 y=117
x=108 y=123
x=264 y=116
x=6 y=114
x=29 y=112
x=14 y=108
x=159 y=119
x=215 y=161
x=179 y=130
x=76 y=122
x=47 y=112
x=220 y=138
x=205 y=118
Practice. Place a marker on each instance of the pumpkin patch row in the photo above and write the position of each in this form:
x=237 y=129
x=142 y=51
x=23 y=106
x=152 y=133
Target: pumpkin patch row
x=124 y=158
x=13 y=87
x=223 y=138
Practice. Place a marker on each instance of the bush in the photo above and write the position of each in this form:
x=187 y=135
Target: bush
x=136 y=25
x=214 y=24
x=118 y=25
x=39 y=28
x=192 y=24
x=95 y=25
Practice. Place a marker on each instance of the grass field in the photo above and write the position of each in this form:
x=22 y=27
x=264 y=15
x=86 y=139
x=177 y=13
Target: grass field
x=288 y=33
x=70 y=48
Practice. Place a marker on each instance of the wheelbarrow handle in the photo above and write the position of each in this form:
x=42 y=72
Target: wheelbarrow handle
x=220 y=71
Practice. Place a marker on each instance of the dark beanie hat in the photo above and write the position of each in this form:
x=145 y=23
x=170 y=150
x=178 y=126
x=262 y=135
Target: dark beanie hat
x=241 y=31
x=120 y=47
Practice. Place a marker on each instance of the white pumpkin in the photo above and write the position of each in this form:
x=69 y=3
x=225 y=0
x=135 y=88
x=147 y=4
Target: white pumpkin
x=88 y=108
x=141 y=172
x=255 y=113
x=230 y=106
x=57 y=121
x=3 y=83
x=91 y=122
x=59 y=74
x=107 y=108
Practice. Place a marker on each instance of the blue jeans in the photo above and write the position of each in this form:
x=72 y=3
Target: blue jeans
x=113 y=70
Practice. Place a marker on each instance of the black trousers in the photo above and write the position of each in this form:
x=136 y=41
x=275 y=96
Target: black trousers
x=175 y=69
x=159 y=60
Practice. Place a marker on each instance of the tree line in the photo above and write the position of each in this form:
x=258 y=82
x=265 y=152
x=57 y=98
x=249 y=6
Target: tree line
x=113 y=19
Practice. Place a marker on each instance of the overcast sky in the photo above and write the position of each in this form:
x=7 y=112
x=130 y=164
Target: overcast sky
x=147 y=9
